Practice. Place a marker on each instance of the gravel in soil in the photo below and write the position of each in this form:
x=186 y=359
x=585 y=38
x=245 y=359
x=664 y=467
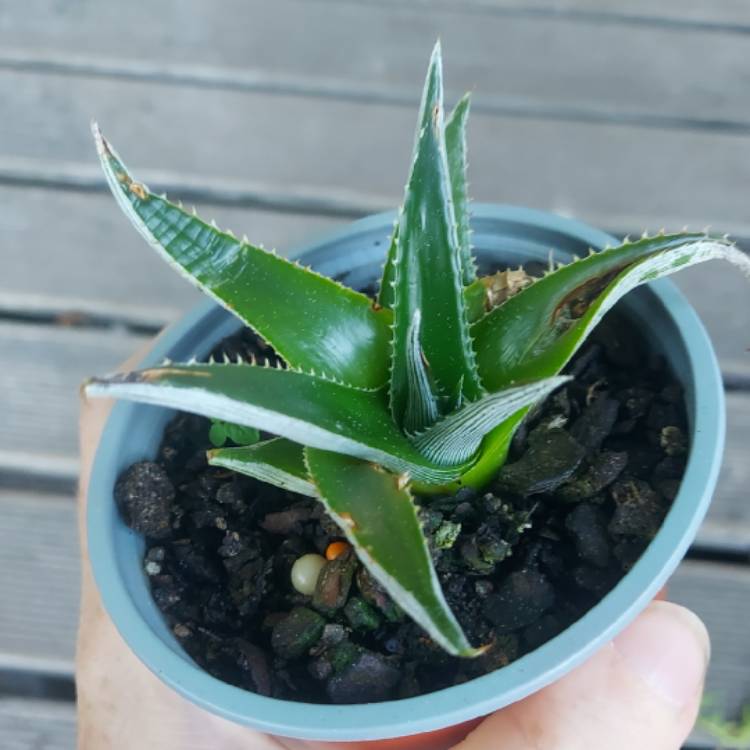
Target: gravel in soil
x=590 y=477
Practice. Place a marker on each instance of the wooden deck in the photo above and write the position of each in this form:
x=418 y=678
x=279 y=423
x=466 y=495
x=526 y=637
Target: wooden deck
x=284 y=119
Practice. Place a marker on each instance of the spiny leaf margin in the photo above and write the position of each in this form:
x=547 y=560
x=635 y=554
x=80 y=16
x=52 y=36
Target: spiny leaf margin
x=342 y=333
x=528 y=337
x=456 y=149
x=427 y=270
x=302 y=408
x=455 y=142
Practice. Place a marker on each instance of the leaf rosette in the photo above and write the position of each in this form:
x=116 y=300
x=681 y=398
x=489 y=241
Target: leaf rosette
x=415 y=392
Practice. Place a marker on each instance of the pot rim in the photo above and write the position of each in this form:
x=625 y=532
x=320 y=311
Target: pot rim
x=484 y=694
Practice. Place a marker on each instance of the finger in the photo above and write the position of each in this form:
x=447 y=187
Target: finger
x=641 y=691
x=441 y=739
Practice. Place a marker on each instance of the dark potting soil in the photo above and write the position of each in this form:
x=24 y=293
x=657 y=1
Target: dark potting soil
x=591 y=474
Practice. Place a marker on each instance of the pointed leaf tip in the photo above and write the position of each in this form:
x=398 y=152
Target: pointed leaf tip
x=437 y=52
x=538 y=330
x=340 y=333
x=388 y=538
x=426 y=267
x=278 y=461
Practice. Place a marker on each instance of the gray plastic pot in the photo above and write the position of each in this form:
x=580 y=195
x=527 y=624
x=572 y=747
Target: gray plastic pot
x=501 y=234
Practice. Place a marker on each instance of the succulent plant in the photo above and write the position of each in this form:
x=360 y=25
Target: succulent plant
x=415 y=392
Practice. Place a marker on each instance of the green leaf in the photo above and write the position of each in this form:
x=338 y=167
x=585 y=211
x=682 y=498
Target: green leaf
x=458 y=436
x=455 y=142
x=279 y=462
x=493 y=453
x=305 y=409
x=221 y=431
x=377 y=514
x=339 y=332
x=217 y=434
x=428 y=269
x=536 y=332
x=388 y=277
x=242 y=435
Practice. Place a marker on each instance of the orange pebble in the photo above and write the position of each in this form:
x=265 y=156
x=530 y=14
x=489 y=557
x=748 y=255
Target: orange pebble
x=336 y=549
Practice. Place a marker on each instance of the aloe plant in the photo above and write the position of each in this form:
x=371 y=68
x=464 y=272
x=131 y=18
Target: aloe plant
x=415 y=392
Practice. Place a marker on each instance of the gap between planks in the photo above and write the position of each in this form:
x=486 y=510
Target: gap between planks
x=270 y=82
x=37 y=724
x=283 y=198
x=224 y=191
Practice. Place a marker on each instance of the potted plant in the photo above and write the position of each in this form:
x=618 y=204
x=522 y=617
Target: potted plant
x=425 y=500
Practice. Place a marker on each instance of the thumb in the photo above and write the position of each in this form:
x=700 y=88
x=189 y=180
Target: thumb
x=641 y=691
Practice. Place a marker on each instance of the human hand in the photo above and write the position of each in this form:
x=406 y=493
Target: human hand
x=641 y=691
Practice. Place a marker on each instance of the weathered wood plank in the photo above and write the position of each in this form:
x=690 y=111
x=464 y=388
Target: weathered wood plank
x=720 y=595
x=224 y=191
x=727 y=524
x=390 y=47
x=46 y=367
x=594 y=172
x=509 y=105
x=37 y=725
x=728 y=16
x=718 y=11
x=721 y=296
x=40 y=582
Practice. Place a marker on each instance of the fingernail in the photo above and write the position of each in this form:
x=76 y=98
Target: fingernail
x=668 y=647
